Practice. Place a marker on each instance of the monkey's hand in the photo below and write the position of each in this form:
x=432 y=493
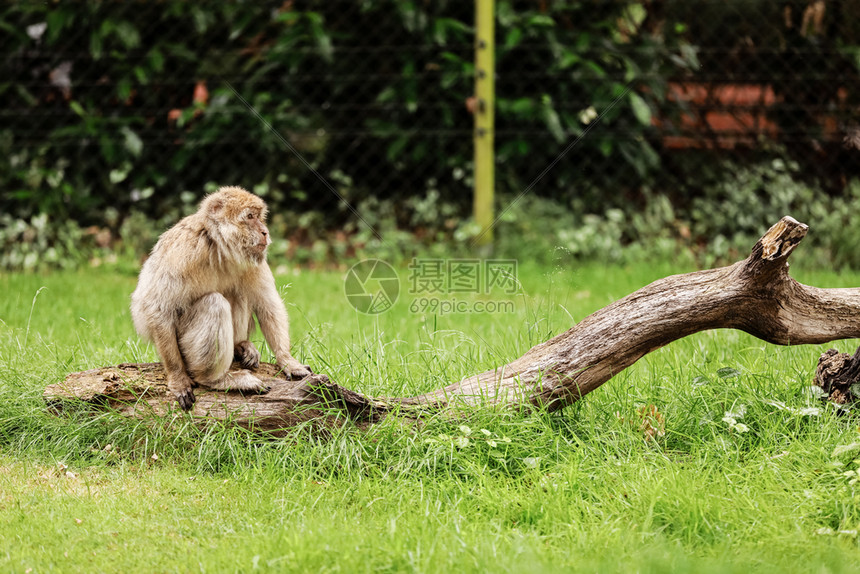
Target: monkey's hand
x=180 y=386
x=247 y=355
x=294 y=369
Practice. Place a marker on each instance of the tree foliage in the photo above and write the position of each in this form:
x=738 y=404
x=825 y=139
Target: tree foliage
x=130 y=106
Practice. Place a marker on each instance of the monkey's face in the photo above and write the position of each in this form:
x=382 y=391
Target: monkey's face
x=238 y=220
x=255 y=234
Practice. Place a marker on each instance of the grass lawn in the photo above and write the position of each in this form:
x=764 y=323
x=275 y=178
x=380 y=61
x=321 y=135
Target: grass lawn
x=744 y=478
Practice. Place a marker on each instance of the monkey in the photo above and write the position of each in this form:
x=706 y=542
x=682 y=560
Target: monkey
x=199 y=290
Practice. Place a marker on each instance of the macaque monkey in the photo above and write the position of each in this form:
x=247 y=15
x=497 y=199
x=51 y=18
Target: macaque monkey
x=199 y=291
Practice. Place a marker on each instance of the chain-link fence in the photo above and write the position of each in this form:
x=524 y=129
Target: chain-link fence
x=121 y=107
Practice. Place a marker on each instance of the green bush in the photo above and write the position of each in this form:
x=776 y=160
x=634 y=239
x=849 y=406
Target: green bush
x=372 y=94
x=716 y=227
x=101 y=152
x=44 y=244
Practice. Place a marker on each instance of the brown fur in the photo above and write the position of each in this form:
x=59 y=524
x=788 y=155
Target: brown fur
x=199 y=291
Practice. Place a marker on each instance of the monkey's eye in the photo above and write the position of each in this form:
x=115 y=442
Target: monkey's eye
x=251 y=215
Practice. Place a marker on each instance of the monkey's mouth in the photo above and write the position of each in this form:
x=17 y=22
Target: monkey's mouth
x=259 y=248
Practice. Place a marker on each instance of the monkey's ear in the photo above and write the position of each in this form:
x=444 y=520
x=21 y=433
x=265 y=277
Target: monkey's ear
x=213 y=204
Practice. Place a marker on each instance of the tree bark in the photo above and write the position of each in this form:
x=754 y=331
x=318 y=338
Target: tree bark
x=755 y=295
x=838 y=375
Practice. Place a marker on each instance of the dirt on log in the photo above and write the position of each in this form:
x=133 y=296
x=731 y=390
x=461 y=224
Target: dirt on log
x=755 y=295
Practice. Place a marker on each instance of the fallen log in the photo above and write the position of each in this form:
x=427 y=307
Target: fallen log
x=755 y=295
x=140 y=390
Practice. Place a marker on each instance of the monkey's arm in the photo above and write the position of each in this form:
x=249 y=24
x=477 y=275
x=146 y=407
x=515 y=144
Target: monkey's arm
x=275 y=324
x=164 y=336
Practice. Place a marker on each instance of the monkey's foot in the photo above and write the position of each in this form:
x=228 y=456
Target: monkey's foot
x=181 y=387
x=185 y=398
x=295 y=370
x=247 y=355
x=241 y=380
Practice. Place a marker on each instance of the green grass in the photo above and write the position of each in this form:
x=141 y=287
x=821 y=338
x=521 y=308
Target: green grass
x=579 y=491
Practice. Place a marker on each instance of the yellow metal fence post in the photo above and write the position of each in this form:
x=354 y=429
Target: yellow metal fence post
x=485 y=46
